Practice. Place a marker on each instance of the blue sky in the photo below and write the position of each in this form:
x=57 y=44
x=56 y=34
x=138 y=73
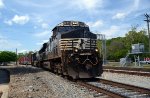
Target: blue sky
x=26 y=24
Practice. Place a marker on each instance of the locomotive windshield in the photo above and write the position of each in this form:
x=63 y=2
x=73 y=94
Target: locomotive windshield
x=79 y=33
x=71 y=28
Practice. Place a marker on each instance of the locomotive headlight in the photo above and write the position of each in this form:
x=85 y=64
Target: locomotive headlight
x=76 y=50
x=96 y=50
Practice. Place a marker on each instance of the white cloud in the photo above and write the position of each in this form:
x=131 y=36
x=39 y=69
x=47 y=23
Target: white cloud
x=39 y=20
x=115 y=31
x=1 y=4
x=112 y=31
x=41 y=43
x=18 y=20
x=136 y=4
x=45 y=26
x=95 y=24
x=124 y=12
x=119 y=16
x=87 y=4
x=23 y=51
x=42 y=34
x=6 y=43
x=35 y=27
x=32 y=3
x=9 y=22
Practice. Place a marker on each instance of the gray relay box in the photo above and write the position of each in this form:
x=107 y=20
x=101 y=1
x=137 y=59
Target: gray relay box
x=136 y=48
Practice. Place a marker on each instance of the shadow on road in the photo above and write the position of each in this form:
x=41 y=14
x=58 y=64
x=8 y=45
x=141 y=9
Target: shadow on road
x=4 y=76
x=21 y=70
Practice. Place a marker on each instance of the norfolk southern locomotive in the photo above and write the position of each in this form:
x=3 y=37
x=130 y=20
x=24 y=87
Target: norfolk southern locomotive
x=71 y=50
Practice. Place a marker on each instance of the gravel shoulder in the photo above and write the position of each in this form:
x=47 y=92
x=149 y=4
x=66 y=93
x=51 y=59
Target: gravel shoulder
x=31 y=82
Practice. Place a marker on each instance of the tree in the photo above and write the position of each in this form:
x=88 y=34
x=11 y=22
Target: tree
x=27 y=54
x=7 y=56
x=134 y=37
x=116 y=48
x=20 y=55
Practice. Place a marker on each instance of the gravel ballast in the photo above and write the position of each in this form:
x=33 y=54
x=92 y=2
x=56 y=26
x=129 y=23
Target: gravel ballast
x=31 y=82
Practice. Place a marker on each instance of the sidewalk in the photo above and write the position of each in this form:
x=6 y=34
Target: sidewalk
x=4 y=88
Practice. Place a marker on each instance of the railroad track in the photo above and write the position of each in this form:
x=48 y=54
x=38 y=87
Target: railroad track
x=128 y=70
x=139 y=73
x=115 y=90
x=110 y=89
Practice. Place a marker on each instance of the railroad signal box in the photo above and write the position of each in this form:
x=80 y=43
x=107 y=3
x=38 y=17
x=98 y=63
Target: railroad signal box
x=137 y=48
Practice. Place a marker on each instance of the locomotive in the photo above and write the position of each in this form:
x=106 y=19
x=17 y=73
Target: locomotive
x=71 y=50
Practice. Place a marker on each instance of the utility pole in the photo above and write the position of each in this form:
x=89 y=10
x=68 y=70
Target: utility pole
x=148 y=20
x=16 y=58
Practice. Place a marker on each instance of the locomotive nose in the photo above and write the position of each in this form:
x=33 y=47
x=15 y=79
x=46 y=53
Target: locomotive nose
x=88 y=66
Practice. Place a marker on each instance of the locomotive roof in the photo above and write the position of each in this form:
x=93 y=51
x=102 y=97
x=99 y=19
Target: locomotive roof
x=71 y=23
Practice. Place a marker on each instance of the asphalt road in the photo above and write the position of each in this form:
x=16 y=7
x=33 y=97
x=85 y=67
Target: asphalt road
x=4 y=76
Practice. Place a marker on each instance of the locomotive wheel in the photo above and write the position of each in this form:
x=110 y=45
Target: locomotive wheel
x=59 y=69
x=55 y=70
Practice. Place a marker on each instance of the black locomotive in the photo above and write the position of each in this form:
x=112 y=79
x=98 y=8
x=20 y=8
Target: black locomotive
x=71 y=50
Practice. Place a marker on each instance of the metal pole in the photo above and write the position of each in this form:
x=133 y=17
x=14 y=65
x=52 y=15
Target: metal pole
x=104 y=49
x=103 y=46
x=16 y=57
x=148 y=20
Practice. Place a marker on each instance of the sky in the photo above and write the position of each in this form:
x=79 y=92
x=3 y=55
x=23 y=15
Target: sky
x=27 y=24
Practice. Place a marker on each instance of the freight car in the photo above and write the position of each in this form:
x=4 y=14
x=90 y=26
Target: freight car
x=24 y=60
x=71 y=50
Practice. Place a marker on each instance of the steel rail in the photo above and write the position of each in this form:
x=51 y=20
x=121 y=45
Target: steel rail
x=126 y=86
x=128 y=72
x=101 y=90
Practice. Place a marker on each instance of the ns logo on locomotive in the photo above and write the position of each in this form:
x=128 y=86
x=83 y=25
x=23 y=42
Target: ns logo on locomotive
x=71 y=50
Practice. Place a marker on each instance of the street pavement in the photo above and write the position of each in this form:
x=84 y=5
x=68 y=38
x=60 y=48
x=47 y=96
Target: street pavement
x=4 y=82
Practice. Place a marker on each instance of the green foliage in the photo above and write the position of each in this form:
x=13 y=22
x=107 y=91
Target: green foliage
x=118 y=47
x=20 y=55
x=134 y=37
x=7 y=56
x=99 y=45
x=27 y=54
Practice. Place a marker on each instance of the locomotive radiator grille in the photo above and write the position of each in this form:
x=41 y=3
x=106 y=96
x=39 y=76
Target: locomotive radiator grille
x=80 y=43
